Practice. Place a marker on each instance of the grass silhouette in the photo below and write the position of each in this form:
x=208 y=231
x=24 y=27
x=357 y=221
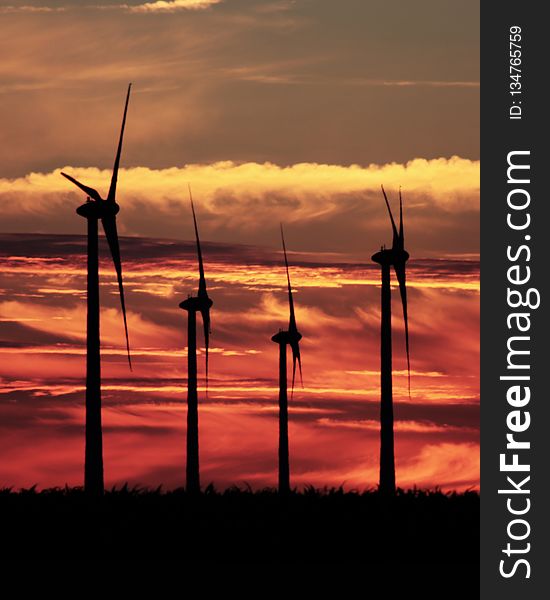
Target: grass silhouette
x=241 y=525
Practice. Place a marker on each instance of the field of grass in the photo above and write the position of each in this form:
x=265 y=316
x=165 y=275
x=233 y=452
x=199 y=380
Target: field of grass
x=424 y=528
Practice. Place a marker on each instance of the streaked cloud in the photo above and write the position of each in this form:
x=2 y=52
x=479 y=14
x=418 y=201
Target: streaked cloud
x=31 y=9
x=143 y=444
x=407 y=426
x=420 y=83
x=278 y=73
x=160 y=6
x=338 y=310
x=171 y=5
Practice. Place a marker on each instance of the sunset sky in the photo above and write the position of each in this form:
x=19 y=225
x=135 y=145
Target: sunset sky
x=283 y=111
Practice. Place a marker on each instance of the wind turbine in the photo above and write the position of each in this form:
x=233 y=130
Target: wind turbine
x=291 y=338
x=396 y=256
x=96 y=208
x=200 y=303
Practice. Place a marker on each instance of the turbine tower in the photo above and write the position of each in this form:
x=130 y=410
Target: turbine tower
x=291 y=338
x=95 y=209
x=396 y=256
x=200 y=303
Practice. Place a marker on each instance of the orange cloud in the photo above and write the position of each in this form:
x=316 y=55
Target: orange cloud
x=406 y=426
x=42 y=366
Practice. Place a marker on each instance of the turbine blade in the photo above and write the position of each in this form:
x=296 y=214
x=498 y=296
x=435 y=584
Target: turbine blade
x=202 y=279
x=293 y=373
x=87 y=190
x=296 y=358
x=109 y=226
x=202 y=289
x=401 y=278
x=299 y=356
x=292 y=321
x=394 y=228
x=114 y=177
x=206 y=325
x=292 y=327
x=401 y=236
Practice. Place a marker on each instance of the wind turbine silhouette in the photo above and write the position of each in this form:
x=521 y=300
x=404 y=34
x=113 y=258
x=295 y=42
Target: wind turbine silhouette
x=93 y=210
x=291 y=338
x=396 y=256
x=200 y=303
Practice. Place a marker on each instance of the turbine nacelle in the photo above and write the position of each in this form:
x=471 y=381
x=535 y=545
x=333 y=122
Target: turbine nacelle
x=390 y=256
x=196 y=304
x=287 y=337
x=93 y=209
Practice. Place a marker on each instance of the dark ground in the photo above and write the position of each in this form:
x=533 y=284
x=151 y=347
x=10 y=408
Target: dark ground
x=427 y=529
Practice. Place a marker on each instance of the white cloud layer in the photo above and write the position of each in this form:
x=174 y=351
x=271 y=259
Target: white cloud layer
x=243 y=202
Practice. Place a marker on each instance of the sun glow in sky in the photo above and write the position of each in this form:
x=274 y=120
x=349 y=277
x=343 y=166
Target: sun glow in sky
x=272 y=113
